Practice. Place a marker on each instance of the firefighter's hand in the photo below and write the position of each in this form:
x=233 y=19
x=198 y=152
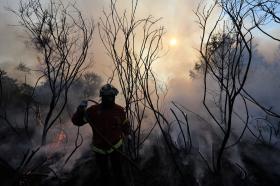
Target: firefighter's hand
x=82 y=106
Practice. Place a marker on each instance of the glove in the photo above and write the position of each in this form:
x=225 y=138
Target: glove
x=83 y=105
x=129 y=137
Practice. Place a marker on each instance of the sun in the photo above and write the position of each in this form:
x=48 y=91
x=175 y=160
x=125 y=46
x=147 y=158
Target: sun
x=173 y=42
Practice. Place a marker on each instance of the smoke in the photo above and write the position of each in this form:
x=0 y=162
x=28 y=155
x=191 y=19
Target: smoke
x=173 y=68
x=262 y=84
x=23 y=136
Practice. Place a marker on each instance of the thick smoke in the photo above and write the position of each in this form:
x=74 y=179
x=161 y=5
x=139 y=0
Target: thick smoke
x=263 y=84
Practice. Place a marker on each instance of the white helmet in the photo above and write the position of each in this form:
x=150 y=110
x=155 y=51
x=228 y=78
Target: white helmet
x=108 y=90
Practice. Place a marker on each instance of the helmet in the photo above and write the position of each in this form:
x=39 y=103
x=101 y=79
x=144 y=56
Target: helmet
x=108 y=90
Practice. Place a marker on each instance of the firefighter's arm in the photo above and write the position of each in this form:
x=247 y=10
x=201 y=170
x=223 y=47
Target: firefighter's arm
x=79 y=118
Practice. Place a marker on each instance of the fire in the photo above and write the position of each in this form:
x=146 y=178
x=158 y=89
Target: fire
x=59 y=139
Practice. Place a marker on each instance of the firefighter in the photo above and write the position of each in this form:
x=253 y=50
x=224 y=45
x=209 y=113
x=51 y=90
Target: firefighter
x=110 y=127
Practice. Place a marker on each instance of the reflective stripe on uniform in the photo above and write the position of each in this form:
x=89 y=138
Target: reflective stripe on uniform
x=101 y=151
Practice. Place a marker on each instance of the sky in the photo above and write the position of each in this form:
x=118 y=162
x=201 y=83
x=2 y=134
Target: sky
x=177 y=18
x=181 y=41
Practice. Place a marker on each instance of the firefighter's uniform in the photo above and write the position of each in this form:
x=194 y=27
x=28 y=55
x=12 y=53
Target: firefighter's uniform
x=109 y=126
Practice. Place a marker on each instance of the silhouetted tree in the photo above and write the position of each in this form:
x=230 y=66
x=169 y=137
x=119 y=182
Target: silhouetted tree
x=226 y=56
x=62 y=36
x=134 y=45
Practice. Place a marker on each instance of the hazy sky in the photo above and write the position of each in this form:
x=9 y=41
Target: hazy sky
x=177 y=18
